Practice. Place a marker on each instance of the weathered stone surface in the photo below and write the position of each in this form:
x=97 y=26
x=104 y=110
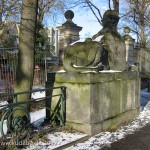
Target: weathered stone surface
x=71 y=77
x=112 y=41
x=109 y=53
x=83 y=55
x=69 y=33
x=144 y=61
x=97 y=102
x=129 y=42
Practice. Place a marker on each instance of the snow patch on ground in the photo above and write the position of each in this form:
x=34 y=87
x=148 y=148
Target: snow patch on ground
x=106 y=138
x=55 y=140
x=145 y=98
x=35 y=116
x=96 y=142
x=3 y=103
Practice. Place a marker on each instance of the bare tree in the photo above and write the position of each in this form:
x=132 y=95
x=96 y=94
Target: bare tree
x=9 y=10
x=136 y=14
x=51 y=9
x=112 y=4
x=138 y=18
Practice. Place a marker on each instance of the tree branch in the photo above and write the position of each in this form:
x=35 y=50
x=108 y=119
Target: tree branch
x=91 y=5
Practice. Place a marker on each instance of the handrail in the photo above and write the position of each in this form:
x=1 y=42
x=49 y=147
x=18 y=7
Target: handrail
x=27 y=92
x=3 y=48
x=27 y=102
x=17 y=123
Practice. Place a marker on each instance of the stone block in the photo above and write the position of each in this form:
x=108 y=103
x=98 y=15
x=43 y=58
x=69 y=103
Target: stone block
x=99 y=101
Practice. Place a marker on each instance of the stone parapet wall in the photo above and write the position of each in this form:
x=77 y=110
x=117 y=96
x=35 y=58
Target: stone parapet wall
x=99 y=101
x=144 y=65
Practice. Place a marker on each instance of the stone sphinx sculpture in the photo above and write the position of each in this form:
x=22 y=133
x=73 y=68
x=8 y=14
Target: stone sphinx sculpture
x=113 y=42
x=109 y=53
x=83 y=56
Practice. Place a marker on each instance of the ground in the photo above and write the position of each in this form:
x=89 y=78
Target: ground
x=99 y=141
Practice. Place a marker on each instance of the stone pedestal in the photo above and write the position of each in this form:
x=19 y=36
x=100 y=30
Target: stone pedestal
x=69 y=33
x=130 y=51
x=99 y=101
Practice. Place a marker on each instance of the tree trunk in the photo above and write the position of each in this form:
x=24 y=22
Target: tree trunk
x=143 y=36
x=24 y=76
x=142 y=22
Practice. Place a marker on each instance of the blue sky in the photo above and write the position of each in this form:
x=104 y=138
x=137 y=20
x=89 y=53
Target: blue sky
x=85 y=19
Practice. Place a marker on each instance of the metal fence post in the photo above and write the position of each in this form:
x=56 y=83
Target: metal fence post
x=49 y=92
x=63 y=105
x=148 y=86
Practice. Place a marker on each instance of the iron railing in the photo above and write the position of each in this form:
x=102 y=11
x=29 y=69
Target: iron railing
x=19 y=127
x=8 y=67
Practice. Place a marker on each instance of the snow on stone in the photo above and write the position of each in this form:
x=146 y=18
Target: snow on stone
x=104 y=71
x=60 y=71
x=109 y=71
x=88 y=67
x=88 y=72
x=81 y=40
x=98 y=38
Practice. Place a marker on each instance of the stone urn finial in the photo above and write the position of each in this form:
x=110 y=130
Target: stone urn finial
x=69 y=15
x=127 y=30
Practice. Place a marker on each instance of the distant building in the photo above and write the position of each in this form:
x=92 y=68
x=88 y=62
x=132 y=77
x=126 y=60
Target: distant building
x=52 y=38
x=12 y=28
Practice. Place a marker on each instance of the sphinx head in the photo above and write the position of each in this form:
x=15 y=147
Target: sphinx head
x=110 y=19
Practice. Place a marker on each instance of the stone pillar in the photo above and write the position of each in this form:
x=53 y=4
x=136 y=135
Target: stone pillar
x=69 y=33
x=129 y=42
x=137 y=55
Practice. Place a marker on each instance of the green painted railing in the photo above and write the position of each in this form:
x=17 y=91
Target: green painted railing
x=18 y=126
